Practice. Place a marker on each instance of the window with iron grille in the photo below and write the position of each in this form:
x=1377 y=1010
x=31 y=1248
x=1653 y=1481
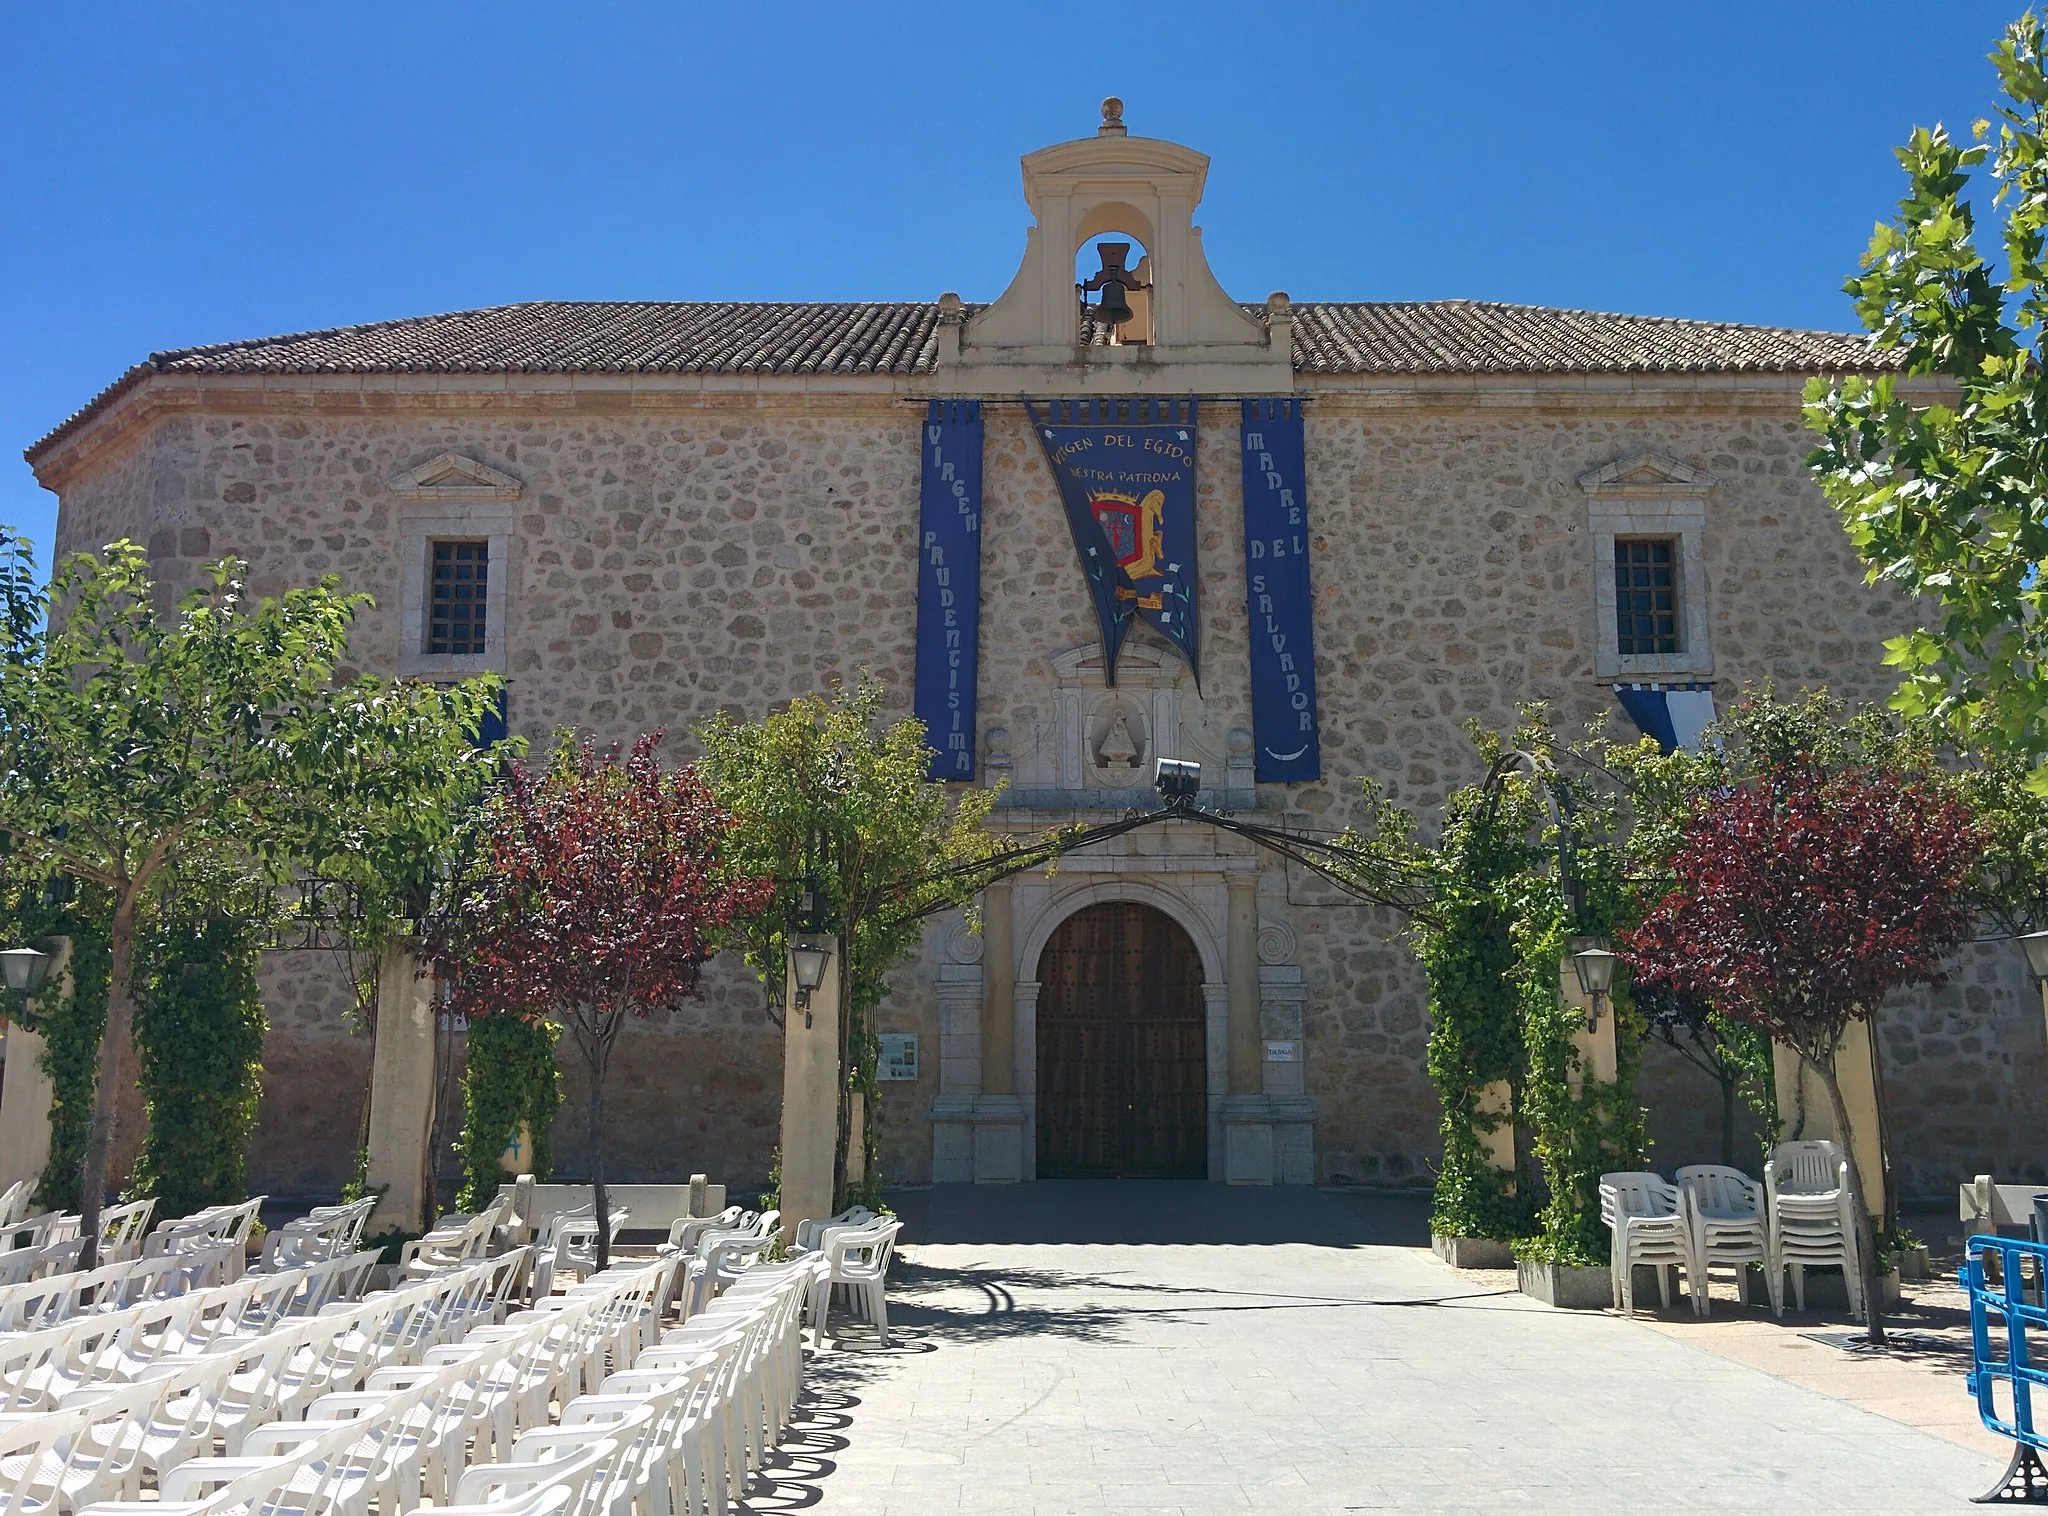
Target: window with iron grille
x=460 y=575
x=1646 y=595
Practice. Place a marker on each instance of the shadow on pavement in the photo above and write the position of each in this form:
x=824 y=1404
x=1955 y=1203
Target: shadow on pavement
x=1145 y=1212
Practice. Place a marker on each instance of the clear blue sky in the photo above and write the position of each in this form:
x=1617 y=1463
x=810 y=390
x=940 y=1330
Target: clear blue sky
x=173 y=174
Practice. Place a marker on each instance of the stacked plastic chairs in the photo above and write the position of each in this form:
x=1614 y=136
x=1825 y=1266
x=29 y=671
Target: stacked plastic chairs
x=1648 y=1221
x=1811 y=1220
x=1725 y=1210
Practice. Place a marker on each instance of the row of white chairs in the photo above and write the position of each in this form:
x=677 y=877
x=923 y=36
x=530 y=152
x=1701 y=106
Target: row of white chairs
x=670 y=1424
x=38 y=1368
x=1799 y=1217
x=42 y=1302
x=327 y=1231
x=102 y=1441
x=855 y=1247
x=728 y=1245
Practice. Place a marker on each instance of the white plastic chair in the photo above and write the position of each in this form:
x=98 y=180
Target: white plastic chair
x=1811 y=1222
x=450 y=1246
x=122 y=1228
x=684 y=1232
x=810 y=1234
x=859 y=1261
x=1726 y=1211
x=1649 y=1226
x=14 y=1202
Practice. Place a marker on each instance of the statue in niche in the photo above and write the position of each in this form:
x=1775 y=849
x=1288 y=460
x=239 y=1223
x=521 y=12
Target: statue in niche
x=1117 y=747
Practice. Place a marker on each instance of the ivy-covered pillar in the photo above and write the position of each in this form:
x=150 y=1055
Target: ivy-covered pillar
x=26 y=1089
x=810 y=1096
x=401 y=1090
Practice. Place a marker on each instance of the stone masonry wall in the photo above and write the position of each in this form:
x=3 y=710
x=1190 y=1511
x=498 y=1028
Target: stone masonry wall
x=729 y=553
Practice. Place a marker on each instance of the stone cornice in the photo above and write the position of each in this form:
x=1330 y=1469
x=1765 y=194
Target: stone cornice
x=156 y=395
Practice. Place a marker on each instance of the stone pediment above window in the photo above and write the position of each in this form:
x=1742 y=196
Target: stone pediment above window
x=1646 y=476
x=453 y=477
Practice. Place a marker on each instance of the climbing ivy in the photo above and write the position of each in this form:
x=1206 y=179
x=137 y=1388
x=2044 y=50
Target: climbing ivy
x=1584 y=1126
x=1493 y=946
x=199 y=1029
x=1475 y=1040
x=512 y=1077
x=70 y=1024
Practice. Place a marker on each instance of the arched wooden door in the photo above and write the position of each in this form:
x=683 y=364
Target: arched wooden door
x=1122 y=1091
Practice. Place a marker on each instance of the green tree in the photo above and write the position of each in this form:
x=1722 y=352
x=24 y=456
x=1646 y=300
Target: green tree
x=1944 y=489
x=823 y=790
x=136 y=740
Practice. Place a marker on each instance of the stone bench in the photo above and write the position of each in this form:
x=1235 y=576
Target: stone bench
x=650 y=1208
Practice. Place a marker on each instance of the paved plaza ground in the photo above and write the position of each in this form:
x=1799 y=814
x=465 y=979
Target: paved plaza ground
x=1136 y=1348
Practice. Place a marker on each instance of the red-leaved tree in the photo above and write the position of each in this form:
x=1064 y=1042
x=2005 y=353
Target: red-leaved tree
x=1802 y=900
x=592 y=894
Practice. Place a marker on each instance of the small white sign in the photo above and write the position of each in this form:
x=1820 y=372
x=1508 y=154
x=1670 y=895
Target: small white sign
x=899 y=1056
x=1282 y=1052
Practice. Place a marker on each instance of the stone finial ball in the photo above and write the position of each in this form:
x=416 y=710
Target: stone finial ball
x=1112 y=109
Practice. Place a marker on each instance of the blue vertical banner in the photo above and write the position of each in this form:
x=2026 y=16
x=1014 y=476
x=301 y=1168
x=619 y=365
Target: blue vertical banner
x=949 y=584
x=1126 y=472
x=1285 y=738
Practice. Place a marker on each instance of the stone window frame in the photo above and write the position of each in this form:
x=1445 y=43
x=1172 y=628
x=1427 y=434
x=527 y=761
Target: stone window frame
x=452 y=498
x=1650 y=495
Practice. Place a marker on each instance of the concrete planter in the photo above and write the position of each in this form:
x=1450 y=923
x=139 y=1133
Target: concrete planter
x=1564 y=1285
x=1473 y=1252
x=1916 y=1264
x=1825 y=1291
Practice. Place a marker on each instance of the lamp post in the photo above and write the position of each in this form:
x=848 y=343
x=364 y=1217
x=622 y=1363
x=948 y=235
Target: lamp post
x=813 y=1083
x=2036 y=945
x=809 y=957
x=24 y=969
x=1595 y=968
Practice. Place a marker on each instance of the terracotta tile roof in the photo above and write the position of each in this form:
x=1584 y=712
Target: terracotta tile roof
x=1485 y=337
x=900 y=339
x=598 y=336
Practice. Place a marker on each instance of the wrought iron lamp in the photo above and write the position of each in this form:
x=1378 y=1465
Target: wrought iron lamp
x=2036 y=945
x=24 y=969
x=1595 y=968
x=810 y=950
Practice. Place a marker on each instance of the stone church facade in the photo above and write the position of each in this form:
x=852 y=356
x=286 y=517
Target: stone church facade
x=673 y=509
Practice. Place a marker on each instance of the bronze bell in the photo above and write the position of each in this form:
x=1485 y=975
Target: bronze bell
x=1114 y=308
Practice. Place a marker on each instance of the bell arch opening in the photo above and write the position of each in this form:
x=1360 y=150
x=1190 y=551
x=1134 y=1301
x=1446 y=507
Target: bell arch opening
x=1122 y=1087
x=1113 y=273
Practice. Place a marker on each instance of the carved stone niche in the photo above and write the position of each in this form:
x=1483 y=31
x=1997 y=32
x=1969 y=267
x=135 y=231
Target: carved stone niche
x=1097 y=738
x=1119 y=741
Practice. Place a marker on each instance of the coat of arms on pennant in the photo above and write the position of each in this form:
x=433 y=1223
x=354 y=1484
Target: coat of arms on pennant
x=1136 y=539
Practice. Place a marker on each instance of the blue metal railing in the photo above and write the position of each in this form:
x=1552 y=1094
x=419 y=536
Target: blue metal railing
x=2009 y=1343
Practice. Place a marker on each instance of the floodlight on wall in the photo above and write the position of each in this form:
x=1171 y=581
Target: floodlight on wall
x=1595 y=968
x=23 y=969
x=2036 y=944
x=1178 y=781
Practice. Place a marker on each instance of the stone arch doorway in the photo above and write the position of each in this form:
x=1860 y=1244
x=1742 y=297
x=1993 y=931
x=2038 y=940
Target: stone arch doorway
x=1122 y=1048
